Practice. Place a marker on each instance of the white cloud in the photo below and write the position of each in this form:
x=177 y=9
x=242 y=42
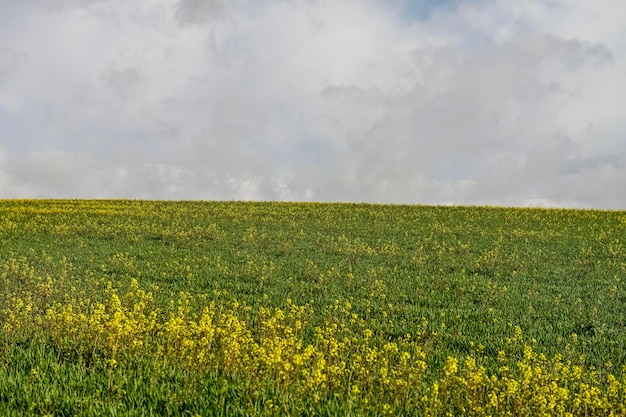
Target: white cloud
x=488 y=102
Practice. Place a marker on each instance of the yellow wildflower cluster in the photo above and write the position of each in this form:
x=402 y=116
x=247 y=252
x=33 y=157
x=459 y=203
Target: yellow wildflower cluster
x=118 y=325
x=532 y=385
x=342 y=358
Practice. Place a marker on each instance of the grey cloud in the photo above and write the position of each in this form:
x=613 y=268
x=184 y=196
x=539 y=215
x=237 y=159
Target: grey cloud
x=63 y=174
x=568 y=53
x=547 y=159
x=480 y=124
x=11 y=61
x=58 y=4
x=125 y=83
x=573 y=166
x=600 y=182
x=199 y=11
x=51 y=5
x=53 y=173
x=5 y=180
x=226 y=143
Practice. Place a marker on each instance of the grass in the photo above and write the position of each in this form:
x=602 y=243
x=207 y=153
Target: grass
x=206 y=308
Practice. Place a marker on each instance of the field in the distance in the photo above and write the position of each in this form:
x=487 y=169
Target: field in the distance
x=206 y=308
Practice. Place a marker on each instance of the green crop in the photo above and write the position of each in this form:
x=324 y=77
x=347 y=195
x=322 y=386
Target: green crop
x=207 y=308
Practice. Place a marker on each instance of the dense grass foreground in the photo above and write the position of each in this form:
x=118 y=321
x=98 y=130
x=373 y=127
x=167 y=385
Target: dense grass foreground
x=181 y=308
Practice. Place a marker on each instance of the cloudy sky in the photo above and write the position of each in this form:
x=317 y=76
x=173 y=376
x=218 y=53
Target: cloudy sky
x=394 y=101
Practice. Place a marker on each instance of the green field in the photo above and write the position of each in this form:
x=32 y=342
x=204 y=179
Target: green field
x=229 y=308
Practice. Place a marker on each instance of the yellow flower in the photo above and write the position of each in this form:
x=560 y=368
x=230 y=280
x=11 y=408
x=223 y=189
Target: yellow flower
x=451 y=366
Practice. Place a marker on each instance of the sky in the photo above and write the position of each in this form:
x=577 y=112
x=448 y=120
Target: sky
x=465 y=102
